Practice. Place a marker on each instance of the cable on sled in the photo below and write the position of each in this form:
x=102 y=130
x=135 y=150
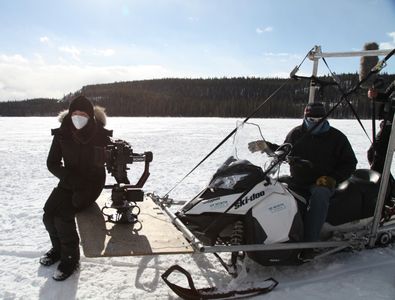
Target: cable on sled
x=234 y=130
x=344 y=94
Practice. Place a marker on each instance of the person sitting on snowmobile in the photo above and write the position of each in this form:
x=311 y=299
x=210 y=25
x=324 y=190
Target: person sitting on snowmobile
x=76 y=157
x=332 y=161
x=378 y=151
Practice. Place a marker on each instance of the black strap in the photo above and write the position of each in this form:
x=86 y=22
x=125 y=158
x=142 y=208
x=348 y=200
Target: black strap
x=245 y=120
x=193 y=293
x=381 y=64
x=345 y=95
x=222 y=261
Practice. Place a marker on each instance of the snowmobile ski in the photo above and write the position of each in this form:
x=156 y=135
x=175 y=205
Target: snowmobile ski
x=192 y=293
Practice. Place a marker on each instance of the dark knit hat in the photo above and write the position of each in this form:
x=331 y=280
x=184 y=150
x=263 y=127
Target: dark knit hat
x=315 y=110
x=83 y=104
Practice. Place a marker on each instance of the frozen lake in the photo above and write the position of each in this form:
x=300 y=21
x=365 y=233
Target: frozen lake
x=178 y=144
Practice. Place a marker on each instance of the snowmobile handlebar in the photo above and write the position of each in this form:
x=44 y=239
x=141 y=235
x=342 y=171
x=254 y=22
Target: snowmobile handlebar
x=282 y=155
x=295 y=160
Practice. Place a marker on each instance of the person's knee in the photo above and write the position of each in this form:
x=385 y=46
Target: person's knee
x=83 y=200
x=321 y=192
x=320 y=197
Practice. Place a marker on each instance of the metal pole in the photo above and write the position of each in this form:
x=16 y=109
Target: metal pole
x=276 y=246
x=383 y=186
x=314 y=56
x=195 y=242
x=353 y=53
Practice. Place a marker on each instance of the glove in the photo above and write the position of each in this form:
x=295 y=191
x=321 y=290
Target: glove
x=257 y=146
x=326 y=181
x=372 y=94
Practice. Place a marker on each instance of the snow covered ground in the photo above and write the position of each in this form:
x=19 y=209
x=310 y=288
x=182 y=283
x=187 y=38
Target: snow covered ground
x=178 y=144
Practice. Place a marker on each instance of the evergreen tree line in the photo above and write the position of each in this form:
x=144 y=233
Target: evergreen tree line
x=217 y=97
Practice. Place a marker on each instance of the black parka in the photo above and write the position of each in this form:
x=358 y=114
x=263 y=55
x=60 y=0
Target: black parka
x=386 y=106
x=77 y=158
x=329 y=152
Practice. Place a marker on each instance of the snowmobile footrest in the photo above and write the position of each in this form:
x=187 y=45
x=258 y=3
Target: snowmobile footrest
x=193 y=293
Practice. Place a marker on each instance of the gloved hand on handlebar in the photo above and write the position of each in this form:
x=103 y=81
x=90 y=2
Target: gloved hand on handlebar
x=256 y=146
x=326 y=181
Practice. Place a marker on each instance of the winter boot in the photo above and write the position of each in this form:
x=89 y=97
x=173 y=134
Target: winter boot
x=65 y=269
x=49 y=258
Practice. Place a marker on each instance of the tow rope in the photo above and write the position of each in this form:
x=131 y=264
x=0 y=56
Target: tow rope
x=345 y=95
x=376 y=69
x=227 y=137
x=192 y=293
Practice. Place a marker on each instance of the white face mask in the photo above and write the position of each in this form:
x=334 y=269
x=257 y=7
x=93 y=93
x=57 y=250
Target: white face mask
x=79 y=121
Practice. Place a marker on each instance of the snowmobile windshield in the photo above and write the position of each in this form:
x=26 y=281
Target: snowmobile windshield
x=245 y=134
x=262 y=157
x=243 y=168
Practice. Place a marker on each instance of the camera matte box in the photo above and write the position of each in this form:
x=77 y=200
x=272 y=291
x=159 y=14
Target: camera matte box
x=157 y=234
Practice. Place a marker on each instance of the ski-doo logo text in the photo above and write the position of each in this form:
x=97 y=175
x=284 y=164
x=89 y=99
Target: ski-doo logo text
x=244 y=201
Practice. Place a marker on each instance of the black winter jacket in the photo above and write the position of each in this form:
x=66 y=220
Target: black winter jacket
x=386 y=107
x=330 y=154
x=77 y=158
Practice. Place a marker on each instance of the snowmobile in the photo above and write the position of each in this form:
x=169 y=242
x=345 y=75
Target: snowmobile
x=249 y=210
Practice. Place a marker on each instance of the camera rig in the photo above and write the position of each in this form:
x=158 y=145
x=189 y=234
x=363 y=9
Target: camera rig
x=124 y=196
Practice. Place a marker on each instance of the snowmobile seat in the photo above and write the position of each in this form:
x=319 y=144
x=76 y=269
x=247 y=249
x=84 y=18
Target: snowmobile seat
x=365 y=176
x=355 y=198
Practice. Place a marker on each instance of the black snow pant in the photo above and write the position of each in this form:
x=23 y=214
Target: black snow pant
x=377 y=154
x=59 y=220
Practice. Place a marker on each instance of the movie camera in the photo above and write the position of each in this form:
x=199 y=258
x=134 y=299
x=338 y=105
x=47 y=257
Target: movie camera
x=118 y=155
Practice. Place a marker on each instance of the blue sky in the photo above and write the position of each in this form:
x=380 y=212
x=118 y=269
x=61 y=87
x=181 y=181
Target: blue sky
x=50 y=48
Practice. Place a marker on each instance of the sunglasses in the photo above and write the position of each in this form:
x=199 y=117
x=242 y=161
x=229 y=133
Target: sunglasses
x=311 y=119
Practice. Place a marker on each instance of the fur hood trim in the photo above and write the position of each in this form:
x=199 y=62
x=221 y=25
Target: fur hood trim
x=100 y=115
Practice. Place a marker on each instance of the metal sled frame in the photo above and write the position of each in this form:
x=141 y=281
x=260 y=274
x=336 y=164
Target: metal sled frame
x=376 y=230
x=366 y=236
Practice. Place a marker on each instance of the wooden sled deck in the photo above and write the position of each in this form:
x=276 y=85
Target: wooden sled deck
x=105 y=239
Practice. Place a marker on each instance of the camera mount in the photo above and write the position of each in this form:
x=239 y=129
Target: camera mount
x=123 y=194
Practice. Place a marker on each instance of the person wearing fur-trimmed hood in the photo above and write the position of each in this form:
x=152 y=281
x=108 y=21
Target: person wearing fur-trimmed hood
x=76 y=157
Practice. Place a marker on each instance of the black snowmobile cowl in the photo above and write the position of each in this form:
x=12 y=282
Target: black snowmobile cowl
x=238 y=176
x=234 y=176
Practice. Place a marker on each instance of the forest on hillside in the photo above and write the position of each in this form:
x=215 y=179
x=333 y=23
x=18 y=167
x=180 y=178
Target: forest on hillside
x=216 y=97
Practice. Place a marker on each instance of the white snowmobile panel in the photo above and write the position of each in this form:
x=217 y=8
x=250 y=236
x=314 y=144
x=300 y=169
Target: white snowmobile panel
x=276 y=215
x=260 y=192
